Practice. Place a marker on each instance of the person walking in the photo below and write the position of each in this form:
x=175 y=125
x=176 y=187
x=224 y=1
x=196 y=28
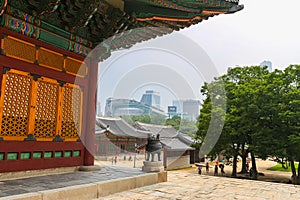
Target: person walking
x=247 y=167
x=199 y=170
x=223 y=162
x=222 y=169
x=207 y=167
x=216 y=170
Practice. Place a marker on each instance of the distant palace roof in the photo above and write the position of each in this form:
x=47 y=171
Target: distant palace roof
x=118 y=127
x=169 y=136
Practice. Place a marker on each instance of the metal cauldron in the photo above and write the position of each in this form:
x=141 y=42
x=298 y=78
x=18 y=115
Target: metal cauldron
x=153 y=145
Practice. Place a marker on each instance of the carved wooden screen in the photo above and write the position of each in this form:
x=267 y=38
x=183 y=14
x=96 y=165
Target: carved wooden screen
x=46 y=108
x=71 y=112
x=39 y=106
x=15 y=102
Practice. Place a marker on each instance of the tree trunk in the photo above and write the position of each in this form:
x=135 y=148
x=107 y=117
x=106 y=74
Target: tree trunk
x=294 y=173
x=284 y=164
x=244 y=160
x=299 y=169
x=234 y=166
x=253 y=168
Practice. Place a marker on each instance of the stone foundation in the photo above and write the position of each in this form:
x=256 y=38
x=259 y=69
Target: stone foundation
x=153 y=166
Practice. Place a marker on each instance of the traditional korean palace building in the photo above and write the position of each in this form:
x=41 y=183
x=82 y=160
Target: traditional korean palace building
x=48 y=81
x=114 y=136
x=176 y=145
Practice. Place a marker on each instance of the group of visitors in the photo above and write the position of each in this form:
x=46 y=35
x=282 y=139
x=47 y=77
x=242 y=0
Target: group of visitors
x=114 y=160
x=129 y=159
x=216 y=168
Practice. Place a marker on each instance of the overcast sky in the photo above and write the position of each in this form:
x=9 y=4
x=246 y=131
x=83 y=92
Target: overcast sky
x=264 y=30
x=177 y=65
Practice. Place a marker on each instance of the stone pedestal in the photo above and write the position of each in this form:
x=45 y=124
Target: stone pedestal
x=153 y=166
x=89 y=168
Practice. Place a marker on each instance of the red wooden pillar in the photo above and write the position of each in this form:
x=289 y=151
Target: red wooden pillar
x=1 y=71
x=1 y=76
x=89 y=139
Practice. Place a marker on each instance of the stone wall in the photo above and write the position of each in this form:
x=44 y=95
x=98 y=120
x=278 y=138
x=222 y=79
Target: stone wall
x=178 y=162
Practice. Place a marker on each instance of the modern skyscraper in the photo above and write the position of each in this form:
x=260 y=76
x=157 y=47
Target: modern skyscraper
x=191 y=108
x=98 y=110
x=151 y=98
x=188 y=109
x=179 y=105
x=121 y=107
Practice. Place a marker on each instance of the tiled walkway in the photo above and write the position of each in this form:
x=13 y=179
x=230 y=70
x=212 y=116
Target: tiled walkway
x=35 y=184
x=182 y=185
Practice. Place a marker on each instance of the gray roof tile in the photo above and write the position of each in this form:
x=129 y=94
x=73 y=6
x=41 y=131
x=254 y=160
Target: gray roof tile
x=119 y=127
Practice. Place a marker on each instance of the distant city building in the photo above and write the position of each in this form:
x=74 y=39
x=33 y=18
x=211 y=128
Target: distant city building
x=179 y=105
x=98 y=111
x=121 y=107
x=192 y=109
x=151 y=98
x=187 y=109
x=172 y=111
x=266 y=63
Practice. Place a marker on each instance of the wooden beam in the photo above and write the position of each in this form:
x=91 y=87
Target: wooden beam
x=116 y=3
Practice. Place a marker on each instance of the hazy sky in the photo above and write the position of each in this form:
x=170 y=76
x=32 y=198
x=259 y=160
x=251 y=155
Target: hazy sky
x=178 y=64
x=264 y=30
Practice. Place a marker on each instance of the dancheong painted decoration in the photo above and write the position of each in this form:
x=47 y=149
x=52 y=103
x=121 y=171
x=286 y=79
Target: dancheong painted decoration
x=47 y=101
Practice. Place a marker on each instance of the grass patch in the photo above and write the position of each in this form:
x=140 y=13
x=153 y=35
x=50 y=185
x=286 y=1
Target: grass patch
x=278 y=167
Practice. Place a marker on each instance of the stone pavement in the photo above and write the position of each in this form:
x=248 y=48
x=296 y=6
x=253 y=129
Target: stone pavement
x=48 y=182
x=183 y=185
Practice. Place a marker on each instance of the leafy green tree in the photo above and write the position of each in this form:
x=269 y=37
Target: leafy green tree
x=262 y=116
x=240 y=119
x=279 y=105
x=183 y=125
x=290 y=116
x=174 y=121
x=147 y=119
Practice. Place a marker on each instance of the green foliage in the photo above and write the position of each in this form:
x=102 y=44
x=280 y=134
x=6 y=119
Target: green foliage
x=279 y=167
x=262 y=113
x=182 y=125
x=147 y=119
x=174 y=121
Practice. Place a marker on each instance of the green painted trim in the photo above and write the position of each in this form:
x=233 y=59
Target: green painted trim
x=37 y=155
x=12 y=156
x=54 y=29
x=58 y=154
x=76 y=153
x=25 y=155
x=67 y=154
x=53 y=39
x=1 y=156
x=48 y=154
x=62 y=39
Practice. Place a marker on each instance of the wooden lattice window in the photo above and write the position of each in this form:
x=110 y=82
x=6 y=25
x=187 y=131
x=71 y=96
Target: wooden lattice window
x=15 y=102
x=29 y=52
x=52 y=59
x=71 y=112
x=46 y=109
x=39 y=106
x=75 y=67
x=19 y=49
